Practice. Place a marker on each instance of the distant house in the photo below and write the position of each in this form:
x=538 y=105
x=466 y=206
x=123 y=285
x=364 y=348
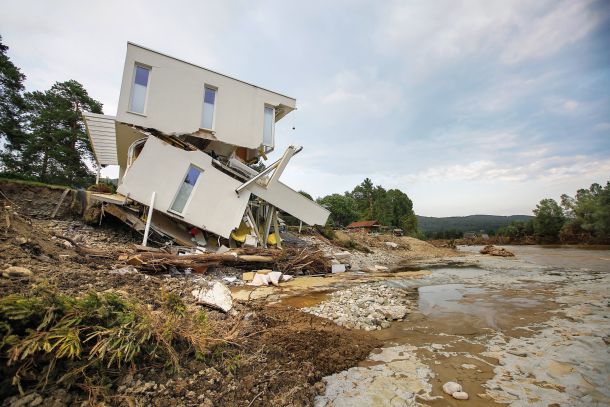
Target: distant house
x=366 y=225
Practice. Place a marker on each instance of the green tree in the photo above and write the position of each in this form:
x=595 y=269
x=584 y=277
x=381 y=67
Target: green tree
x=58 y=148
x=549 y=219
x=342 y=209
x=363 y=196
x=12 y=105
x=588 y=214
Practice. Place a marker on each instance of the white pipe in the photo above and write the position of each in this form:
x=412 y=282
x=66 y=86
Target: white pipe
x=149 y=219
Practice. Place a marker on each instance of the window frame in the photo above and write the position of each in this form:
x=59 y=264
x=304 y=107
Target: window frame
x=133 y=85
x=267 y=106
x=215 y=89
x=188 y=201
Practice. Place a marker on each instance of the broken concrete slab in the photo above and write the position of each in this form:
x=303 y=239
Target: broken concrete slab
x=216 y=296
x=338 y=268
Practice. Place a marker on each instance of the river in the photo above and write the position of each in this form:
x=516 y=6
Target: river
x=529 y=330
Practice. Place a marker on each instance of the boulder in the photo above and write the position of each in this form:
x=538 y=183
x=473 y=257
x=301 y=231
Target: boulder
x=452 y=387
x=460 y=395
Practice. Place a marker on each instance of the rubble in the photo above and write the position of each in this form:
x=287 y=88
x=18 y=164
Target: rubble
x=368 y=307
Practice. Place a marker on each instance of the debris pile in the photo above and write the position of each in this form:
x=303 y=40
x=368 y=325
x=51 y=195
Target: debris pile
x=367 y=306
x=496 y=251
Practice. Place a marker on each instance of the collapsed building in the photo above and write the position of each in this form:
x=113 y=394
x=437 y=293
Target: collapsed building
x=185 y=139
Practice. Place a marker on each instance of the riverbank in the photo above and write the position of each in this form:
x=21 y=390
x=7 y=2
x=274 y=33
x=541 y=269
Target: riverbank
x=402 y=320
x=510 y=331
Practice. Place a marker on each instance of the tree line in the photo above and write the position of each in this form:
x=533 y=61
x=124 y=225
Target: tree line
x=585 y=217
x=42 y=133
x=392 y=208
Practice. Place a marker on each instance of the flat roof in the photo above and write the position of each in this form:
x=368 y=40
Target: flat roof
x=206 y=69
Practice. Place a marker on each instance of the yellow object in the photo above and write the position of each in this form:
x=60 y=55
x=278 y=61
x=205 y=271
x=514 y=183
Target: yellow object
x=272 y=239
x=241 y=232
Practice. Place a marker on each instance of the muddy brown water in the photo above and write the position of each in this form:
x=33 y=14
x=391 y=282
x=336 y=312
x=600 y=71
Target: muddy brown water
x=459 y=309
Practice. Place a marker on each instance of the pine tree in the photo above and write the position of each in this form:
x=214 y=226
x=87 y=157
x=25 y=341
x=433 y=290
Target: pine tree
x=12 y=135
x=58 y=147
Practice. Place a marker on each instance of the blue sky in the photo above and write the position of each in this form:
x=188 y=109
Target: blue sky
x=467 y=106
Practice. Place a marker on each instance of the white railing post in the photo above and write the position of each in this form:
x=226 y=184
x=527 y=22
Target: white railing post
x=149 y=219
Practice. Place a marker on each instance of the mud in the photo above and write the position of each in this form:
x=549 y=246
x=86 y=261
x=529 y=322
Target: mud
x=509 y=331
x=276 y=357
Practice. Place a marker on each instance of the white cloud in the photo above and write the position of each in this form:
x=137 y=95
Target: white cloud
x=549 y=169
x=540 y=36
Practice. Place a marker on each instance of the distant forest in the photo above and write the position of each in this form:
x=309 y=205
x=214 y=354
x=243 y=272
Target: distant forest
x=455 y=226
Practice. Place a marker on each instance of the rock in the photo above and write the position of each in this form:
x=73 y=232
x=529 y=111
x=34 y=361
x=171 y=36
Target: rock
x=391 y=245
x=21 y=240
x=496 y=251
x=217 y=296
x=460 y=395
x=381 y=268
x=16 y=271
x=66 y=244
x=452 y=387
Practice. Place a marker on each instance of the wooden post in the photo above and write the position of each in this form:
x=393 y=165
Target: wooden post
x=61 y=200
x=97 y=175
x=149 y=219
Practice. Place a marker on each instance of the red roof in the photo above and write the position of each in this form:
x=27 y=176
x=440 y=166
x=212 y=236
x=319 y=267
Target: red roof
x=363 y=224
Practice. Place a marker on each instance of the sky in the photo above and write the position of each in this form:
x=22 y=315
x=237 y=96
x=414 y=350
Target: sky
x=469 y=107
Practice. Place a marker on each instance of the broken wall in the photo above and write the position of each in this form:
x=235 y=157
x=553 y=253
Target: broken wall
x=213 y=204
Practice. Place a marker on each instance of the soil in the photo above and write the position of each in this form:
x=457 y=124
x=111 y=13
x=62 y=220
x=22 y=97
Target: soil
x=278 y=357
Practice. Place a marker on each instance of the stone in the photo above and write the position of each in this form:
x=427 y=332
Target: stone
x=381 y=268
x=391 y=245
x=460 y=395
x=452 y=387
x=17 y=271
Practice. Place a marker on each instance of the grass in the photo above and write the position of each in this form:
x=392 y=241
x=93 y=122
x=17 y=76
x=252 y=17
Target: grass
x=32 y=183
x=51 y=338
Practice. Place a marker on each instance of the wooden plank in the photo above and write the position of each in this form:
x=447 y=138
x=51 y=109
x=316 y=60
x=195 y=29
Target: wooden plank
x=61 y=200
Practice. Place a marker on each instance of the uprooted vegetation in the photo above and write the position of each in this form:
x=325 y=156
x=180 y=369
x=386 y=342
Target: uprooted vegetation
x=49 y=338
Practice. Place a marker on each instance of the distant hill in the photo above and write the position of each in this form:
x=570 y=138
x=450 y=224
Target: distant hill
x=472 y=223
